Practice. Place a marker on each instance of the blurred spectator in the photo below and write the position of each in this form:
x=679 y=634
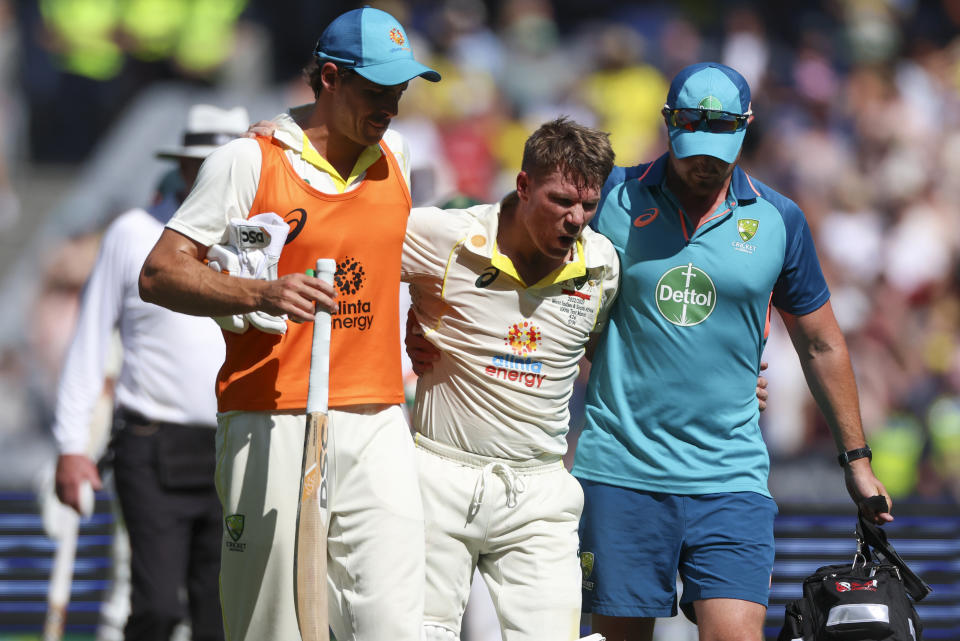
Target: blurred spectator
x=627 y=95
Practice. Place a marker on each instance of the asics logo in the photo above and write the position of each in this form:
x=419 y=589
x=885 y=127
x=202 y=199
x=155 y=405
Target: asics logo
x=488 y=276
x=297 y=218
x=646 y=217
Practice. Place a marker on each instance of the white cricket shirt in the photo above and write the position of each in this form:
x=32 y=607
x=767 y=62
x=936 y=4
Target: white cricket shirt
x=509 y=352
x=170 y=360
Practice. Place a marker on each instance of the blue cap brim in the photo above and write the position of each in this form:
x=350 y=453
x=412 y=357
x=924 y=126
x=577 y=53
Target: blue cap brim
x=725 y=146
x=397 y=72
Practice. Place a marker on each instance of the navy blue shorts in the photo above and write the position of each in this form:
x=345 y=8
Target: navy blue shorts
x=633 y=543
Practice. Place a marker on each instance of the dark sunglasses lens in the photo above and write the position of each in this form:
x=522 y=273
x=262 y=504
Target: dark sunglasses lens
x=716 y=121
x=686 y=118
x=722 y=122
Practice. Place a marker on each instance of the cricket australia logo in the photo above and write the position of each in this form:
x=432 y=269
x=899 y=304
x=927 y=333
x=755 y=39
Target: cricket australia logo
x=586 y=569
x=686 y=295
x=747 y=227
x=234 y=527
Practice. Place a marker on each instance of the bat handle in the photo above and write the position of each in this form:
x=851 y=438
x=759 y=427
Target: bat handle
x=317 y=389
x=326 y=268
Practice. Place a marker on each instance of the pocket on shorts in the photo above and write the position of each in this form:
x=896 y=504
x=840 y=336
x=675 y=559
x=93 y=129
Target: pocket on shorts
x=574 y=490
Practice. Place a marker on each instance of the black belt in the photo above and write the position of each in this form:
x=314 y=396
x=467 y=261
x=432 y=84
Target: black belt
x=133 y=417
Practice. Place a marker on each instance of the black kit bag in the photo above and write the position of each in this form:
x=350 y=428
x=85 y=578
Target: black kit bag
x=869 y=600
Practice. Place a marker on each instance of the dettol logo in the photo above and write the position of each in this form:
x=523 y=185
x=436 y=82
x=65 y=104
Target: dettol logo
x=686 y=295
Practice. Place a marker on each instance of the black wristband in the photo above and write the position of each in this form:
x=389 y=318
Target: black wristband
x=861 y=452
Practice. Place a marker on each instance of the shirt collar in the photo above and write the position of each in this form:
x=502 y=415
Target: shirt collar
x=289 y=133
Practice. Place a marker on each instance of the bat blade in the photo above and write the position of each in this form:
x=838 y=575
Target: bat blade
x=310 y=553
x=61 y=577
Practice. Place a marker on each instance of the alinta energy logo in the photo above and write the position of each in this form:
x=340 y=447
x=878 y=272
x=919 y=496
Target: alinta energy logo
x=350 y=276
x=397 y=36
x=686 y=295
x=353 y=312
x=523 y=339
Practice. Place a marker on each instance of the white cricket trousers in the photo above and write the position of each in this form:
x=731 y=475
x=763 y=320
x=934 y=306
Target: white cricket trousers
x=375 y=544
x=516 y=522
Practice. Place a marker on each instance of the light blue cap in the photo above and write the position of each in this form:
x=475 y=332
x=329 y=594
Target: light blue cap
x=708 y=85
x=374 y=44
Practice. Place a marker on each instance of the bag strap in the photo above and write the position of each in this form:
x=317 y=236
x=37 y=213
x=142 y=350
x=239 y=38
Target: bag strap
x=872 y=536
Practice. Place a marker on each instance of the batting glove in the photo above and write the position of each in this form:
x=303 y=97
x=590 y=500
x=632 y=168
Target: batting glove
x=224 y=258
x=253 y=252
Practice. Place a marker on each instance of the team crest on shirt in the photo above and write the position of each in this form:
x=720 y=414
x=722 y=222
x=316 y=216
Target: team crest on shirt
x=586 y=569
x=747 y=229
x=233 y=525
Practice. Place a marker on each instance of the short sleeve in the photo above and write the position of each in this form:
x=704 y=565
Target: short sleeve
x=432 y=233
x=225 y=189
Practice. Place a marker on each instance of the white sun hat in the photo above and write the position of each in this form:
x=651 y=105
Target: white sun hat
x=208 y=127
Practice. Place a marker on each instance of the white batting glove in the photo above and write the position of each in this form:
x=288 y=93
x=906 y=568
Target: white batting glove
x=224 y=258
x=253 y=252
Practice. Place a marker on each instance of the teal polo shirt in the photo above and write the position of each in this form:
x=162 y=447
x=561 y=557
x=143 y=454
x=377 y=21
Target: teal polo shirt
x=671 y=403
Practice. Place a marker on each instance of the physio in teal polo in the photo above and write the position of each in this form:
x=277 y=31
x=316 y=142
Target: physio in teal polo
x=672 y=461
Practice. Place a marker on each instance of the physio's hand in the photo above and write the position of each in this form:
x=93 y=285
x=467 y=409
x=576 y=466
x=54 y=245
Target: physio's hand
x=861 y=485
x=422 y=352
x=263 y=128
x=762 y=392
x=73 y=470
x=295 y=295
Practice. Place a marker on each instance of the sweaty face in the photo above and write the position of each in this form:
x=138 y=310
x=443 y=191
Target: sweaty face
x=365 y=108
x=702 y=175
x=556 y=211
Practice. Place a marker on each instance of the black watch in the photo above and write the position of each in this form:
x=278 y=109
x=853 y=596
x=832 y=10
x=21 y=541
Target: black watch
x=861 y=452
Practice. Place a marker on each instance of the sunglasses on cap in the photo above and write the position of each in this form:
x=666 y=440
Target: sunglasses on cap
x=714 y=121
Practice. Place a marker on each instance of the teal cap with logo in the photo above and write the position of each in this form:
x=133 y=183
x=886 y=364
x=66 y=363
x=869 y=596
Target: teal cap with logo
x=711 y=87
x=372 y=43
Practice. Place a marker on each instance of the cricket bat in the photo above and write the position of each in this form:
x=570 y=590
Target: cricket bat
x=310 y=551
x=66 y=531
x=61 y=571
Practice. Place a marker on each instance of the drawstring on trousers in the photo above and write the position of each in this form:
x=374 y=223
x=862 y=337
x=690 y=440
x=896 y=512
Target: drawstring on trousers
x=513 y=483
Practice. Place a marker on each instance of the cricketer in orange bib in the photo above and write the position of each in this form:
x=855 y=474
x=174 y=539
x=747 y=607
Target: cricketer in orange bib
x=363 y=230
x=332 y=182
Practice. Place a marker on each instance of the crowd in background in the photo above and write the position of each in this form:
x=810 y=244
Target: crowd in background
x=857 y=106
